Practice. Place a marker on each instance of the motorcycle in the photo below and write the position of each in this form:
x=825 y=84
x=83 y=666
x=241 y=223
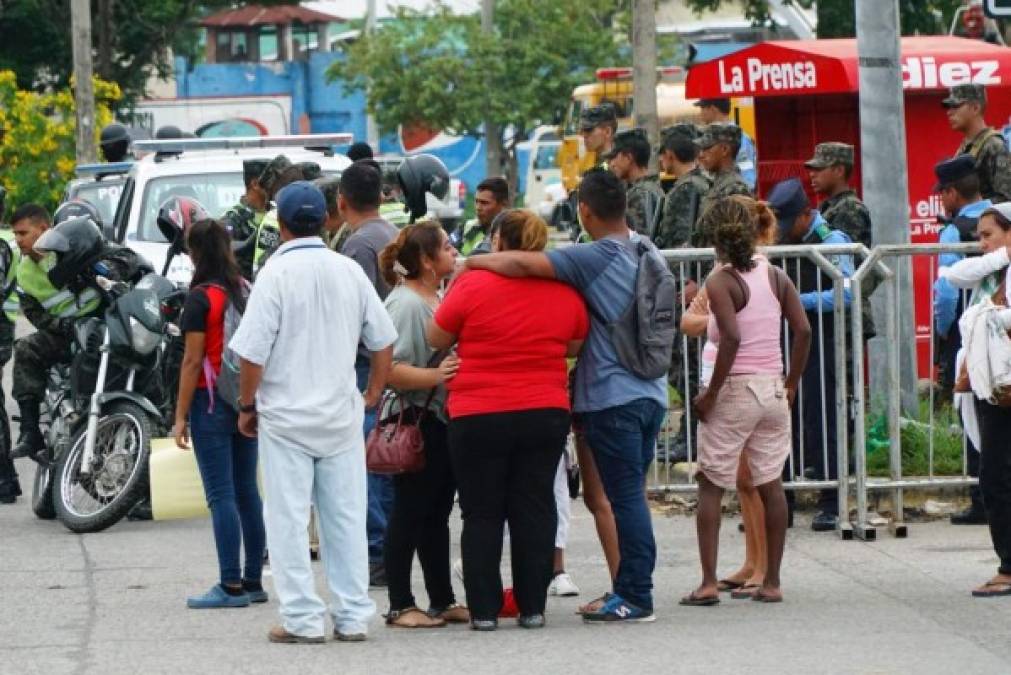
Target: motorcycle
x=98 y=417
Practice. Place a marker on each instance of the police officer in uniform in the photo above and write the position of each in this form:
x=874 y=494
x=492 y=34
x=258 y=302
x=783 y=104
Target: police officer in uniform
x=958 y=186
x=628 y=159
x=52 y=303
x=598 y=126
x=279 y=172
x=718 y=145
x=830 y=170
x=683 y=204
x=335 y=232
x=800 y=224
x=243 y=219
x=392 y=208
x=490 y=199
x=965 y=106
x=10 y=488
x=114 y=142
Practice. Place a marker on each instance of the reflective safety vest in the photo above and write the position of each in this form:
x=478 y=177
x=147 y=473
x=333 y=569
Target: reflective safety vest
x=33 y=281
x=471 y=237
x=268 y=239
x=394 y=214
x=10 y=279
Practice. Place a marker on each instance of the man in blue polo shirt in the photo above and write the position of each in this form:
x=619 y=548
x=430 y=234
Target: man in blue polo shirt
x=620 y=413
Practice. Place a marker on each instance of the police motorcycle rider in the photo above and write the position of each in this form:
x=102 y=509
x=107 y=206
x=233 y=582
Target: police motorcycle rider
x=10 y=487
x=55 y=290
x=279 y=172
x=243 y=219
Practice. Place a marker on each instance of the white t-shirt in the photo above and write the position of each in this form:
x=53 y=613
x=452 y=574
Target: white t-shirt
x=307 y=312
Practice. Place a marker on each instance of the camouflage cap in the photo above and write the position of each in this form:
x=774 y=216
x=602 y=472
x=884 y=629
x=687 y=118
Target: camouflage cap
x=830 y=154
x=273 y=171
x=328 y=185
x=593 y=117
x=626 y=141
x=965 y=93
x=310 y=170
x=682 y=131
x=719 y=133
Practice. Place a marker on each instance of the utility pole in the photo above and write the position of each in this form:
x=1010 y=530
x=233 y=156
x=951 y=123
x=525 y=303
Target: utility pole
x=492 y=136
x=84 y=90
x=885 y=183
x=371 y=129
x=644 y=72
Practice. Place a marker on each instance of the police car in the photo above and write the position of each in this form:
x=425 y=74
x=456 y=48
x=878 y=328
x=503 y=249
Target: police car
x=208 y=170
x=100 y=185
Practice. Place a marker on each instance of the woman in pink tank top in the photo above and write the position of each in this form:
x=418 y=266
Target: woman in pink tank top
x=745 y=409
x=749 y=577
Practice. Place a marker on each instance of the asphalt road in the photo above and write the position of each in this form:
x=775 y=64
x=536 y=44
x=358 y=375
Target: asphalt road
x=114 y=602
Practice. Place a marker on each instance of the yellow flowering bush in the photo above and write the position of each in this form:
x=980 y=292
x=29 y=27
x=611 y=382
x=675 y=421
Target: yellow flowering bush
x=37 y=146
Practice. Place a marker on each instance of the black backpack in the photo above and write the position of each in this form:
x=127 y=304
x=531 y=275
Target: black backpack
x=643 y=334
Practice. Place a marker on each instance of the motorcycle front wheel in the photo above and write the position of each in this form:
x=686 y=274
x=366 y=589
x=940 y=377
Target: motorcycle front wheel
x=118 y=478
x=42 y=492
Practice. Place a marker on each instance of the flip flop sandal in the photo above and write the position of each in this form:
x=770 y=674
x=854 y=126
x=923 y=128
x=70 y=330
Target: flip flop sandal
x=425 y=621
x=590 y=608
x=724 y=585
x=758 y=596
x=983 y=592
x=745 y=592
x=692 y=600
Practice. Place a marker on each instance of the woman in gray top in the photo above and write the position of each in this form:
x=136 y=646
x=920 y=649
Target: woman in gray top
x=415 y=265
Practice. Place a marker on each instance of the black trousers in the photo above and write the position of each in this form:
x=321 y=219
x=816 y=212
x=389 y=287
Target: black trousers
x=995 y=476
x=505 y=465
x=419 y=522
x=8 y=476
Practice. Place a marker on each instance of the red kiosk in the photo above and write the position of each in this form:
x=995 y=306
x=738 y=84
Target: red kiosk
x=806 y=92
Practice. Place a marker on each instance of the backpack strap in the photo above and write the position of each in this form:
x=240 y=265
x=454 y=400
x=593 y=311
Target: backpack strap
x=977 y=145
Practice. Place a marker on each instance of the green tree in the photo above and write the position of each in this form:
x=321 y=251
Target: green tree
x=438 y=70
x=133 y=39
x=836 y=17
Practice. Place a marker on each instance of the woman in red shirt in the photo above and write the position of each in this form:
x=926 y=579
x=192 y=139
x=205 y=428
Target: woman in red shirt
x=226 y=458
x=509 y=418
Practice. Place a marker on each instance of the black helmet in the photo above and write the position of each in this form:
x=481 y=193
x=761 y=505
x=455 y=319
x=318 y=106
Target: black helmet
x=420 y=174
x=168 y=132
x=76 y=243
x=175 y=217
x=115 y=142
x=77 y=208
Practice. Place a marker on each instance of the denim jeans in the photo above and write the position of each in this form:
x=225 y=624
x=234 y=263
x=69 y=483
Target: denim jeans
x=380 y=487
x=623 y=439
x=227 y=462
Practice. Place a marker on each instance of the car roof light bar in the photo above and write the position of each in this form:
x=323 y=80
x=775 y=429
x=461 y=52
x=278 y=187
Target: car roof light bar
x=107 y=168
x=177 y=145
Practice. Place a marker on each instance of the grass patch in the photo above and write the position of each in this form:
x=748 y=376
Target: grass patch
x=916 y=436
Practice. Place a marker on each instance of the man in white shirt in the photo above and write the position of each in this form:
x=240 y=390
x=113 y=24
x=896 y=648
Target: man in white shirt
x=298 y=339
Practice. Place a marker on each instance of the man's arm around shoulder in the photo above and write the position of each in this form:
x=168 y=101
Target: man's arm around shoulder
x=514 y=264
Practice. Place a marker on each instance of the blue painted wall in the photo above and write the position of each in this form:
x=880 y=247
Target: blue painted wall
x=328 y=106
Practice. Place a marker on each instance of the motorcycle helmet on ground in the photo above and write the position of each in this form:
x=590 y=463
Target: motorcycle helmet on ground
x=77 y=208
x=420 y=174
x=114 y=142
x=175 y=217
x=76 y=243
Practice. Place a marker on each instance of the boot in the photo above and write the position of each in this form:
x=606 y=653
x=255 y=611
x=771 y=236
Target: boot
x=30 y=440
x=10 y=490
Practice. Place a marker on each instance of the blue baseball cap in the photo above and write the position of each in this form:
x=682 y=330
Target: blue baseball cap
x=788 y=200
x=301 y=206
x=952 y=170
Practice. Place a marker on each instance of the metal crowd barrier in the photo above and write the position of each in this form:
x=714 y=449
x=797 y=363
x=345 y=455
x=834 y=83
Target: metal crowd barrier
x=898 y=480
x=852 y=400
x=693 y=264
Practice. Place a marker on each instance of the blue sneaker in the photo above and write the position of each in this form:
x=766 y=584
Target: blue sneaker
x=619 y=610
x=217 y=598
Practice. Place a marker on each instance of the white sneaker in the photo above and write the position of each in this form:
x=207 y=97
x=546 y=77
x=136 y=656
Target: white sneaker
x=563 y=586
x=458 y=570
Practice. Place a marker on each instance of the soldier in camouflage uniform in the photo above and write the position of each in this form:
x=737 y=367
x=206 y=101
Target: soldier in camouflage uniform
x=683 y=204
x=629 y=161
x=243 y=219
x=965 y=106
x=830 y=170
x=718 y=146
x=598 y=126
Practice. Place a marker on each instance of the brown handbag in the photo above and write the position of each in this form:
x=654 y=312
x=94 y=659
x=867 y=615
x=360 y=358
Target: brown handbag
x=396 y=445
